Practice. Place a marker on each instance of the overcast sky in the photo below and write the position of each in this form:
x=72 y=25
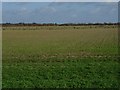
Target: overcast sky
x=59 y=0
x=60 y=12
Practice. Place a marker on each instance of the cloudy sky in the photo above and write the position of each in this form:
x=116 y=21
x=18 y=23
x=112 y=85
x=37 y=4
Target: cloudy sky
x=59 y=12
x=59 y=0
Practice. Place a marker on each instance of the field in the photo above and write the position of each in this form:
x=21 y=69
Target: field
x=60 y=57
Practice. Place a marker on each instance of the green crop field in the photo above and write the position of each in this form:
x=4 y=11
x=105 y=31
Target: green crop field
x=60 y=57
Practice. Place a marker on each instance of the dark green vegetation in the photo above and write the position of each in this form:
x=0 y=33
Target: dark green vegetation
x=60 y=56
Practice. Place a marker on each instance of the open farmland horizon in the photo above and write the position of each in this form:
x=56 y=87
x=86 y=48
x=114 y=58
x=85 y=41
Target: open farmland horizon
x=60 y=45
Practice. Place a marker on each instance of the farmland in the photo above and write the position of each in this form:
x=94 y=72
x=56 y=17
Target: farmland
x=60 y=57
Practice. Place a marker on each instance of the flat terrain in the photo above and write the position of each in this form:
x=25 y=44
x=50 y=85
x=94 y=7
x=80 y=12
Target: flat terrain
x=60 y=57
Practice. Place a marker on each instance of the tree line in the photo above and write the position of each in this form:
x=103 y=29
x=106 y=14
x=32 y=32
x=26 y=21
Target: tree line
x=56 y=24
